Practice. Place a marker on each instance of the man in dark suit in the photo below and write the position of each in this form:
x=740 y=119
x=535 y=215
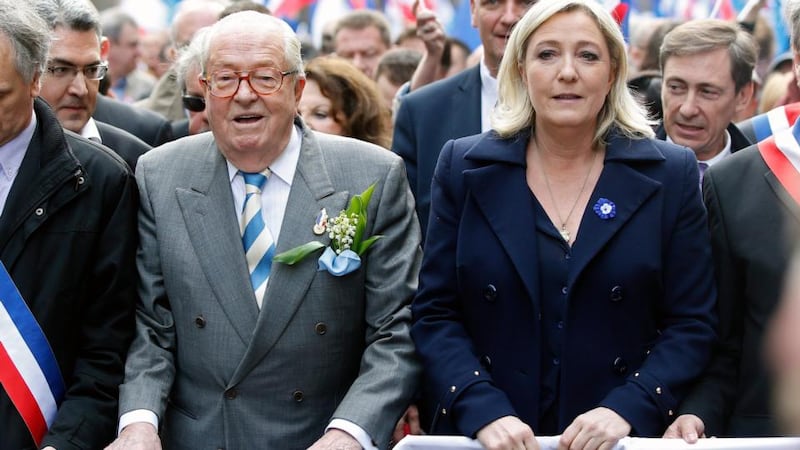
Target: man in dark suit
x=700 y=98
x=147 y=125
x=68 y=241
x=454 y=107
x=764 y=125
x=73 y=75
x=748 y=207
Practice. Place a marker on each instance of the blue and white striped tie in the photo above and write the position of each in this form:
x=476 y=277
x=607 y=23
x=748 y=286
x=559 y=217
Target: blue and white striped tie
x=259 y=247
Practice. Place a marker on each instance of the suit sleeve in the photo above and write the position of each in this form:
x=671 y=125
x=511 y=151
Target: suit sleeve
x=389 y=371
x=150 y=368
x=460 y=388
x=711 y=399
x=403 y=143
x=650 y=397
x=86 y=418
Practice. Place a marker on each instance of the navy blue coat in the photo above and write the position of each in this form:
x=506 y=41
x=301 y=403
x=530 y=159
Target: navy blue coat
x=640 y=317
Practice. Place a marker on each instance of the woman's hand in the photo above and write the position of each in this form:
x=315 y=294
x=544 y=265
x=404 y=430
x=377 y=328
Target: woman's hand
x=507 y=433
x=687 y=427
x=600 y=428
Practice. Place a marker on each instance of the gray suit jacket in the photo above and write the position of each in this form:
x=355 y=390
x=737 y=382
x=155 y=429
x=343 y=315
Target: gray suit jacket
x=221 y=374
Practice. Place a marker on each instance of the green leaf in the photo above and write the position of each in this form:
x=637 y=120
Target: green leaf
x=364 y=246
x=297 y=254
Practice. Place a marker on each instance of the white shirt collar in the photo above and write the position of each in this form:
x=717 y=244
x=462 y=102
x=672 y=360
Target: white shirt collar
x=719 y=156
x=284 y=165
x=488 y=96
x=90 y=131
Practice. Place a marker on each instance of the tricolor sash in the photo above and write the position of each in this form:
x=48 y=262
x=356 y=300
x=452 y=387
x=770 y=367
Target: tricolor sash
x=29 y=371
x=781 y=153
x=775 y=120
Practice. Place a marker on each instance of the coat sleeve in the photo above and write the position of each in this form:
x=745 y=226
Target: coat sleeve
x=712 y=397
x=389 y=372
x=87 y=416
x=150 y=367
x=461 y=390
x=650 y=397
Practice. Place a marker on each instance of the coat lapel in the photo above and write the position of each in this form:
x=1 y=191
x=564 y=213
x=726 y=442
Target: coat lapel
x=311 y=191
x=622 y=184
x=504 y=198
x=210 y=217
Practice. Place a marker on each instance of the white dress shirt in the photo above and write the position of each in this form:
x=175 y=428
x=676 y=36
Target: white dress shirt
x=11 y=155
x=488 y=96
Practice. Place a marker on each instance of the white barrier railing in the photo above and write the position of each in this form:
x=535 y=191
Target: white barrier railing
x=629 y=443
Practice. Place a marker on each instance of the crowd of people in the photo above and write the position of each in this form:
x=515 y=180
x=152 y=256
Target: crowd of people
x=227 y=238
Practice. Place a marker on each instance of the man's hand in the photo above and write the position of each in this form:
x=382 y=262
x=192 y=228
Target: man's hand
x=600 y=428
x=408 y=424
x=336 y=440
x=507 y=433
x=687 y=427
x=137 y=436
x=429 y=29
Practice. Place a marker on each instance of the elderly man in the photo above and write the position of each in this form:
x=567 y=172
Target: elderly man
x=75 y=67
x=468 y=98
x=699 y=97
x=751 y=196
x=68 y=242
x=251 y=352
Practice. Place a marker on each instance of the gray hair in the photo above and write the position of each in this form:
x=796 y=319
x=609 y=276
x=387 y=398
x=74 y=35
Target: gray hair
x=77 y=15
x=514 y=112
x=28 y=35
x=291 y=43
x=191 y=55
x=113 y=20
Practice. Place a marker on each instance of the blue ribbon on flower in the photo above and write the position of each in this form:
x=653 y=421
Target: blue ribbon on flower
x=605 y=208
x=338 y=265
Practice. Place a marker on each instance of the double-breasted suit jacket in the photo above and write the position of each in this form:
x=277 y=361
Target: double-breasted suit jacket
x=218 y=372
x=639 y=293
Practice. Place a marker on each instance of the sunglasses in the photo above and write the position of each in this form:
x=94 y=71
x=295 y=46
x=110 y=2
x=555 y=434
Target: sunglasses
x=193 y=103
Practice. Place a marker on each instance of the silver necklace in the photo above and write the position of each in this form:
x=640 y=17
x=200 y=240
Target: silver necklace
x=563 y=230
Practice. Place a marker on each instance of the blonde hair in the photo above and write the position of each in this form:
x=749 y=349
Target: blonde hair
x=514 y=111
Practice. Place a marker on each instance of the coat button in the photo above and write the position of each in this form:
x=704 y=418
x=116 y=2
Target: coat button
x=297 y=396
x=321 y=328
x=620 y=366
x=200 y=321
x=231 y=394
x=490 y=293
x=486 y=362
x=616 y=293
x=39 y=211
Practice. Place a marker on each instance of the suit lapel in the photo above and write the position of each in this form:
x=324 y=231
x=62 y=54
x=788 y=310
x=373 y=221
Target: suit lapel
x=210 y=217
x=311 y=191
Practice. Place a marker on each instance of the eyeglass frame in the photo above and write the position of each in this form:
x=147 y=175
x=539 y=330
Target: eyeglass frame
x=74 y=71
x=187 y=100
x=207 y=80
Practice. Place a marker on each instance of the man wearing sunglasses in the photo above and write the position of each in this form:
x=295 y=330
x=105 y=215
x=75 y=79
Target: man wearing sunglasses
x=76 y=64
x=188 y=71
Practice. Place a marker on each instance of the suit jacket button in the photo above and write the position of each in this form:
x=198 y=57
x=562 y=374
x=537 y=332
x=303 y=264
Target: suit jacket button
x=490 y=293
x=231 y=394
x=616 y=293
x=297 y=396
x=321 y=328
x=200 y=321
x=620 y=366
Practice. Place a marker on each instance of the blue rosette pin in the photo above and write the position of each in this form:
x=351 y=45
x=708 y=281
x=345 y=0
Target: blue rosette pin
x=605 y=208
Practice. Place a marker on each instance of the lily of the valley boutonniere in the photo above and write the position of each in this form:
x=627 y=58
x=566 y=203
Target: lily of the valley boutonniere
x=346 y=232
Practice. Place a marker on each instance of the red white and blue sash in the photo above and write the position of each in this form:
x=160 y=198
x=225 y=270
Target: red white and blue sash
x=29 y=371
x=781 y=153
x=774 y=120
